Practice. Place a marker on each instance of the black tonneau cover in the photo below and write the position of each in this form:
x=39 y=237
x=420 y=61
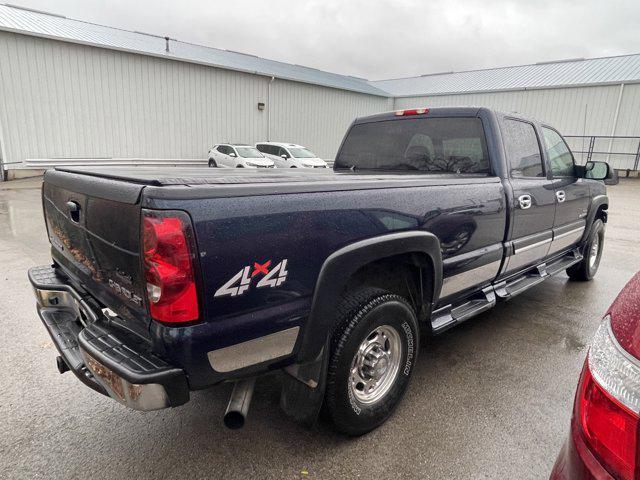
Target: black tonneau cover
x=201 y=175
x=166 y=176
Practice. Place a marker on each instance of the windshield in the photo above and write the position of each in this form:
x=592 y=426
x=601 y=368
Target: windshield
x=301 y=153
x=249 y=152
x=437 y=145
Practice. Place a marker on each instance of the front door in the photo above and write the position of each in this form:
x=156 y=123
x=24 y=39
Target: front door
x=535 y=199
x=572 y=193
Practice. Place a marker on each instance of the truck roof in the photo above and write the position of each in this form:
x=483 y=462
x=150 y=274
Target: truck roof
x=466 y=111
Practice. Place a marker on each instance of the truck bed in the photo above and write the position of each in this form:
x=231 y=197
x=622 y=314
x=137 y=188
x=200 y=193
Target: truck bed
x=242 y=182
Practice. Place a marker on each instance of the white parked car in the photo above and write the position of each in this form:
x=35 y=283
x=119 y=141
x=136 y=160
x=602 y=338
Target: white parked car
x=290 y=155
x=227 y=155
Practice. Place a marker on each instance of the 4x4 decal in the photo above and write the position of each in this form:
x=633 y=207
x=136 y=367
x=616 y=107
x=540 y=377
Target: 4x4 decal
x=241 y=281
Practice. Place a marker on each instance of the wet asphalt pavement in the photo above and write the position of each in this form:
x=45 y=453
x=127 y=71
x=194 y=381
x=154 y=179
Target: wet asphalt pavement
x=489 y=399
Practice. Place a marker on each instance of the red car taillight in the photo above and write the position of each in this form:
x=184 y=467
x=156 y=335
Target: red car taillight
x=608 y=404
x=168 y=249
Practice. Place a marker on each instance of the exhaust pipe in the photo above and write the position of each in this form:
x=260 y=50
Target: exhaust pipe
x=239 y=403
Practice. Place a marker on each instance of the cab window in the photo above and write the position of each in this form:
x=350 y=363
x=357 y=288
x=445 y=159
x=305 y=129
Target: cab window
x=560 y=156
x=430 y=145
x=522 y=148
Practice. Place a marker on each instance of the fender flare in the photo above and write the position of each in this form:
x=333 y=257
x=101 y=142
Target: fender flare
x=342 y=264
x=596 y=203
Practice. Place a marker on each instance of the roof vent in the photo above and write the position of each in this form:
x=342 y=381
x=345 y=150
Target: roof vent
x=439 y=73
x=566 y=60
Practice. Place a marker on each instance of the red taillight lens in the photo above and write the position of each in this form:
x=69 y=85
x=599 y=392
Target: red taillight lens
x=167 y=248
x=609 y=428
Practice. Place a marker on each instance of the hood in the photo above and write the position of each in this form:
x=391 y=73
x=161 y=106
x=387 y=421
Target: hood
x=263 y=162
x=313 y=162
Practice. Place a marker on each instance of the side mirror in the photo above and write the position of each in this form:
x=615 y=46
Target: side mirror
x=232 y=155
x=285 y=156
x=601 y=171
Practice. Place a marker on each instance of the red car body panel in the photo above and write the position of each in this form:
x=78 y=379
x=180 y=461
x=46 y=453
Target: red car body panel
x=576 y=460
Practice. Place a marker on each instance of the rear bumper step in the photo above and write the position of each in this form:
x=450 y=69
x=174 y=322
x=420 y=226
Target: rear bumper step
x=103 y=358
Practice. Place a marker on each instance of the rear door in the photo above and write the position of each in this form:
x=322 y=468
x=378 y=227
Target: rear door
x=572 y=193
x=534 y=206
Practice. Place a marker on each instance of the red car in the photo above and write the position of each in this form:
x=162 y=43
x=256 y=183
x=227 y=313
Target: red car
x=603 y=442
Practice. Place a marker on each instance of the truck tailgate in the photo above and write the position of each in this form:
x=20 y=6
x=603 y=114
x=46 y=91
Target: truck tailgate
x=94 y=229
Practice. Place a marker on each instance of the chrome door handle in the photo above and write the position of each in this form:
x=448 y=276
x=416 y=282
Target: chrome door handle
x=560 y=195
x=524 y=201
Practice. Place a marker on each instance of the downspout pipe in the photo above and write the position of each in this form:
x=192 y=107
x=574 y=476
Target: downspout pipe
x=3 y=157
x=269 y=109
x=615 y=121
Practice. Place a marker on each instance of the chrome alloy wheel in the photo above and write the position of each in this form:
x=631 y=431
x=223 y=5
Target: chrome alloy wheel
x=593 y=252
x=376 y=364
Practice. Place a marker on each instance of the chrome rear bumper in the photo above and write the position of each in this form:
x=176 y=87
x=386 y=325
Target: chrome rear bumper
x=104 y=358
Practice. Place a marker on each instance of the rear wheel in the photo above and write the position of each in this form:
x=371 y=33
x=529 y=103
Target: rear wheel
x=212 y=163
x=586 y=269
x=373 y=351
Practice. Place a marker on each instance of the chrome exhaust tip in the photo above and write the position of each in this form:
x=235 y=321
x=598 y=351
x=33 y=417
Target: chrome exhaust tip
x=239 y=402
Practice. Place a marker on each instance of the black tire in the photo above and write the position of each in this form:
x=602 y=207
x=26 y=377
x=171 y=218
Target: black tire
x=586 y=269
x=360 y=313
x=212 y=163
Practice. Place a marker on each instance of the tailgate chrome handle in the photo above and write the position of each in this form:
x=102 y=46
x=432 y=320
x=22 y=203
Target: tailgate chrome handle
x=524 y=201
x=560 y=195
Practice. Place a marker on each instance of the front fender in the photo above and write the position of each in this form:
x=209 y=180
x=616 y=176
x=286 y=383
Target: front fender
x=596 y=202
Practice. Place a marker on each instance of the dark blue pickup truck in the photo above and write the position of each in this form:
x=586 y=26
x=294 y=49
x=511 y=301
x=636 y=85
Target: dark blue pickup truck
x=166 y=281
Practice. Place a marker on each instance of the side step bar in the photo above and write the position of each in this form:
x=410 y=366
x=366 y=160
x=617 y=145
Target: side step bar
x=448 y=316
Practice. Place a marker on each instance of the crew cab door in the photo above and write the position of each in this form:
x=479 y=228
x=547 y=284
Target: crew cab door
x=572 y=193
x=534 y=207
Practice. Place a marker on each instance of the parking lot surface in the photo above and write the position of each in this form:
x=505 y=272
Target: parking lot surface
x=489 y=399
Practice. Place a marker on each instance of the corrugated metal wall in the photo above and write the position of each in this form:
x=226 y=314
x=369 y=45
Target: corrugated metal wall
x=62 y=100
x=318 y=117
x=563 y=108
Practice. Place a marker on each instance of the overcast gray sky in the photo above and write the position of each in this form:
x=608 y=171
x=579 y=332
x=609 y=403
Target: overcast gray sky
x=380 y=39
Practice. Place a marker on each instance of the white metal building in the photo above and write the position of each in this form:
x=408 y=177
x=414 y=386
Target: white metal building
x=591 y=97
x=77 y=92
x=72 y=90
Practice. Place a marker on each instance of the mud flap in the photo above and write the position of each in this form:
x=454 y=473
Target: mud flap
x=303 y=390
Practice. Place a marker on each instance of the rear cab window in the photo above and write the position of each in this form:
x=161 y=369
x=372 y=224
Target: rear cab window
x=431 y=145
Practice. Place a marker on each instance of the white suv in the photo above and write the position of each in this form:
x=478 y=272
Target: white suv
x=290 y=155
x=228 y=155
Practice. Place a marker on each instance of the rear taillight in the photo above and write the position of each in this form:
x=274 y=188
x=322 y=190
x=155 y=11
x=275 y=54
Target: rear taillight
x=608 y=404
x=412 y=111
x=168 y=249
